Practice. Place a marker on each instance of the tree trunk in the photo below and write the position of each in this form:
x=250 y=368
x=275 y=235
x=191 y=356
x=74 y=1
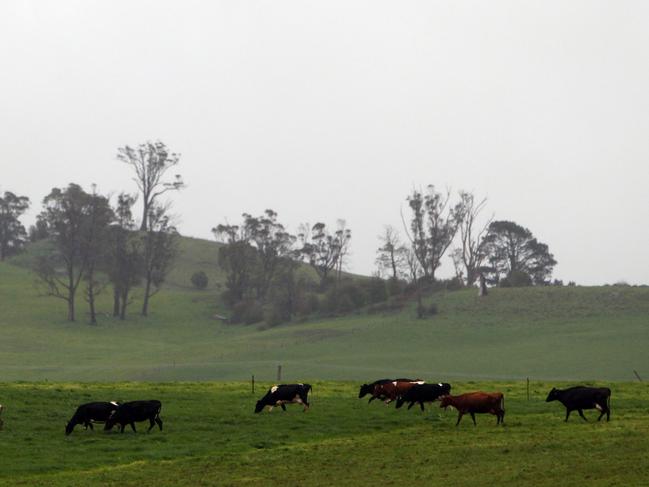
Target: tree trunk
x=483 y=286
x=147 y=291
x=91 y=301
x=116 y=307
x=122 y=311
x=71 y=291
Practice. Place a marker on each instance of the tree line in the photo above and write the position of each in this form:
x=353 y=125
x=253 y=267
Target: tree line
x=99 y=244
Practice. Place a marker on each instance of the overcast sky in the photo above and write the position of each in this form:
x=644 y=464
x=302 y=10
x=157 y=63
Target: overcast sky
x=327 y=110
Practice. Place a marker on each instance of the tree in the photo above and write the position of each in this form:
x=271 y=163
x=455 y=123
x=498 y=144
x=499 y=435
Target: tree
x=272 y=242
x=391 y=255
x=12 y=232
x=151 y=161
x=125 y=256
x=433 y=226
x=513 y=252
x=95 y=233
x=67 y=213
x=471 y=253
x=325 y=252
x=160 y=248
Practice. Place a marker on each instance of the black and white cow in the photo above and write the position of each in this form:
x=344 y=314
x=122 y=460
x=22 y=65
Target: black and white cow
x=282 y=394
x=92 y=412
x=421 y=393
x=135 y=411
x=581 y=397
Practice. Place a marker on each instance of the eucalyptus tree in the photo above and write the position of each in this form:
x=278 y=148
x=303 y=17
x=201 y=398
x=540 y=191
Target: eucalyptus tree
x=12 y=232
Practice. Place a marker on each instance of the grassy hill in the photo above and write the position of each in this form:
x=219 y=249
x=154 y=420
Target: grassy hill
x=571 y=333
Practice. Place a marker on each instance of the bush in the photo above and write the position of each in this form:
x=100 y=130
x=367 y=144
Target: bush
x=344 y=297
x=199 y=280
x=516 y=279
x=375 y=290
x=247 y=312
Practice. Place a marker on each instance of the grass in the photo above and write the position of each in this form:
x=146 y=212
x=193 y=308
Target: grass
x=212 y=437
x=571 y=333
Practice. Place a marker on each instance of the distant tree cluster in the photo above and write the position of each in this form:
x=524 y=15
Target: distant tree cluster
x=264 y=281
x=492 y=251
x=97 y=244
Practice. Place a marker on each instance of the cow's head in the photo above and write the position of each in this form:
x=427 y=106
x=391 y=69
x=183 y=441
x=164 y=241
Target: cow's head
x=69 y=427
x=445 y=401
x=365 y=390
x=259 y=406
x=111 y=421
x=553 y=396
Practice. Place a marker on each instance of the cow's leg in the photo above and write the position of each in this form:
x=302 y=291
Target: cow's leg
x=502 y=417
x=90 y=425
x=410 y=405
x=371 y=399
x=159 y=421
x=459 y=417
x=568 y=411
x=121 y=427
x=581 y=413
x=133 y=426
x=151 y=424
x=473 y=418
x=421 y=405
x=283 y=406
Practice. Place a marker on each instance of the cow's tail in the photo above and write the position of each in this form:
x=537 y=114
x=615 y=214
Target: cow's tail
x=502 y=402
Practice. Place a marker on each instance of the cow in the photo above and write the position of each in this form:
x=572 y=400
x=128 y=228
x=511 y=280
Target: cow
x=580 y=397
x=1 y=422
x=387 y=390
x=135 y=411
x=280 y=395
x=92 y=412
x=476 y=402
x=421 y=393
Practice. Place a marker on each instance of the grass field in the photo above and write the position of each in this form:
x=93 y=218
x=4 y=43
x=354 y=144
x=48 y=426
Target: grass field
x=570 y=333
x=212 y=437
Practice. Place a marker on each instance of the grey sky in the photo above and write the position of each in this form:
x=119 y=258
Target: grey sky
x=326 y=110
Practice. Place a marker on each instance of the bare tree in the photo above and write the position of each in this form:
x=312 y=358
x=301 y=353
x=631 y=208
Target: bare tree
x=472 y=253
x=391 y=254
x=151 y=161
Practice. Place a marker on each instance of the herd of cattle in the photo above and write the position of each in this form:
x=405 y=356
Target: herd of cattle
x=387 y=390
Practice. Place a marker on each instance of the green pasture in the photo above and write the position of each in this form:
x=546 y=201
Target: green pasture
x=569 y=333
x=212 y=437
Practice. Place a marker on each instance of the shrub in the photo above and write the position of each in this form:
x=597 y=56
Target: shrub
x=247 y=312
x=516 y=279
x=199 y=280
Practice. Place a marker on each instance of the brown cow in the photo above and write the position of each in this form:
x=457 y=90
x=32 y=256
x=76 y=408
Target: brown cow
x=477 y=402
x=387 y=390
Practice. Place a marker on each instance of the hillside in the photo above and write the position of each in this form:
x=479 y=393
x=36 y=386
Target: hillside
x=570 y=333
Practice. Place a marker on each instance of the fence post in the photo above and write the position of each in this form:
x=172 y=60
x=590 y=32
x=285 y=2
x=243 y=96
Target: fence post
x=279 y=373
x=528 y=388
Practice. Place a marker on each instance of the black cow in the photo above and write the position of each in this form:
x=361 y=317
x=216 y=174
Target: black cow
x=581 y=397
x=421 y=393
x=135 y=411
x=92 y=412
x=284 y=393
x=386 y=389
